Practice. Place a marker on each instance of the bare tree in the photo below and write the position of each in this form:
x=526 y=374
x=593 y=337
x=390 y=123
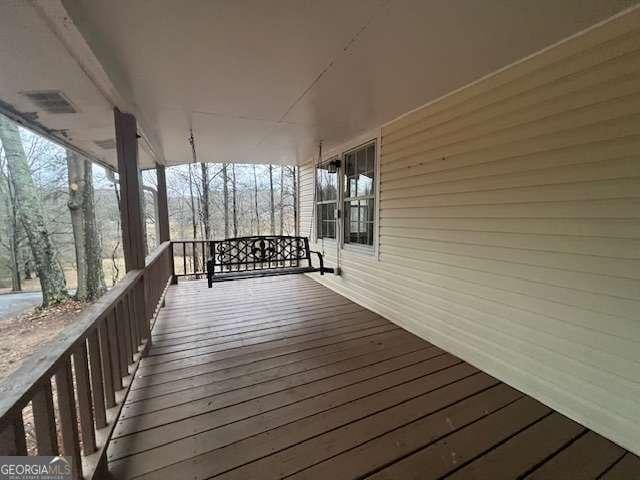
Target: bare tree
x=194 y=223
x=234 y=199
x=239 y=208
x=255 y=198
x=293 y=169
x=225 y=199
x=192 y=205
x=272 y=206
x=116 y=269
x=95 y=273
x=281 y=200
x=14 y=240
x=75 y=177
x=205 y=200
x=88 y=248
x=30 y=210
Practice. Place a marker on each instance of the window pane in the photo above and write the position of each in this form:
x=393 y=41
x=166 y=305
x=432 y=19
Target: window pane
x=359 y=172
x=358 y=228
x=326 y=220
x=365 y=183
x=326 y=184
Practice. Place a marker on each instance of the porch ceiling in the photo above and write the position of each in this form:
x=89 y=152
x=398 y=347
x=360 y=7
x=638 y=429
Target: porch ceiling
x=261 y=81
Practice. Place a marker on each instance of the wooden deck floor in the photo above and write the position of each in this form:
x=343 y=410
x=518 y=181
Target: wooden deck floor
x=282 y=378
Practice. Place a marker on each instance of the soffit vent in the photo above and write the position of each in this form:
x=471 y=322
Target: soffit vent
x=51 y=101
x=109 y=144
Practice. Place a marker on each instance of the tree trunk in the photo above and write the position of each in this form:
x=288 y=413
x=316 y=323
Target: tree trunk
x=255 y=199
x=205 y=200
x=75 y=177
x=295 y=201
x=192 y=205
x=193 y=218
x=143 y=208
x=93 y=246
x=16 y=283
x=234 y=199
x=86 y=237
x=30 y=210
x=115 y=275
x=272 y=209
x=281 y=200
x=27 y=265
x=14 y=237
x=225 y=198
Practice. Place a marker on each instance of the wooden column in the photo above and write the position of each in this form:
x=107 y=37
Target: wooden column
x=130 y=197
x=163 y=216
x=163 y=206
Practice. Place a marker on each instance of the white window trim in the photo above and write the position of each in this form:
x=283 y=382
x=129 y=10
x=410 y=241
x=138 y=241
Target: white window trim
x=337 y=152
x=316 y=238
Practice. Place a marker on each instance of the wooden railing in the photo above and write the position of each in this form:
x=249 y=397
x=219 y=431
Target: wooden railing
x=189 y=257
x=93 y=361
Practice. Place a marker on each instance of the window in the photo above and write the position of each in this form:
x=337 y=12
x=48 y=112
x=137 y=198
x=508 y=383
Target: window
x=327 y=201
x=349 y=184
x=359 y=195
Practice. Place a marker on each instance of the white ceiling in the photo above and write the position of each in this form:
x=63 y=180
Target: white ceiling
x=262 y=81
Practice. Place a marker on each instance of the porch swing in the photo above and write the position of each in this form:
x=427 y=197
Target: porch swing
x=258 y=255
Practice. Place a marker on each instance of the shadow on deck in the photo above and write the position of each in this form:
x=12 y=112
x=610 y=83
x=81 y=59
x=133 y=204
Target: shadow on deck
x=281 y=377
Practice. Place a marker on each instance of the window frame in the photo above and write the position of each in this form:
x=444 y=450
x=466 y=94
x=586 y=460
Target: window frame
x=370 y=248
x=338 y=153
x=325 y=163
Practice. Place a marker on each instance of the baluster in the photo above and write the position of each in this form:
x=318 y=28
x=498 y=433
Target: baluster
x=122 y=320
x=108 y=370
x=68 y=419
x=143 y=311
x=204 y=257
x=85 y=402
x=12 y=437
x=133 y=320
x=114 y=349
x=184 y=258
x=194 y=257
x=172 y=263
x=131 y=323
x=45 y=421
x=96 y=380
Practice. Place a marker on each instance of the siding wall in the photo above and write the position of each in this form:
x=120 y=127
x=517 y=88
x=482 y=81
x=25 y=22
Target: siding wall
x=509 y=230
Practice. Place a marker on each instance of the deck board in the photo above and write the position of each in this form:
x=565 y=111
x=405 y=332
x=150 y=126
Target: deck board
x=282 y=378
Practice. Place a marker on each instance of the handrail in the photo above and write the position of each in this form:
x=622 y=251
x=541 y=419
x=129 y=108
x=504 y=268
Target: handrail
x=101 y=351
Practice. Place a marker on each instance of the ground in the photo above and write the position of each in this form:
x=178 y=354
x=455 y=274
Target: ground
x=23 y=334
x=24 y=328
x=12 y=304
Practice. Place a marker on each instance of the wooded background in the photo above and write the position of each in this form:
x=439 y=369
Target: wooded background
x=60 y=221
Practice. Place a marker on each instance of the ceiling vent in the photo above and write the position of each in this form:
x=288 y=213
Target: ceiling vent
x=51 y=101
x=106 y=144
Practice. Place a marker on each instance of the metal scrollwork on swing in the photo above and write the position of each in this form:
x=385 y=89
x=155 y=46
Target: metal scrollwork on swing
x=254 y=252
x=263 y=250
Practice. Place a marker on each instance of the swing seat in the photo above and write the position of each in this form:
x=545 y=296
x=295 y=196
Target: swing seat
x=260 y=256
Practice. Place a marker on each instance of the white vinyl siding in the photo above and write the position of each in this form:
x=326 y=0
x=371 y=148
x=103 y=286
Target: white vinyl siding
x=509 y=227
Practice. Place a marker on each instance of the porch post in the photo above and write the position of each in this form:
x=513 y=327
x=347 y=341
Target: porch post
x=163 y=207
x=163 y=215
x=131 y=211
x=130 y=198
